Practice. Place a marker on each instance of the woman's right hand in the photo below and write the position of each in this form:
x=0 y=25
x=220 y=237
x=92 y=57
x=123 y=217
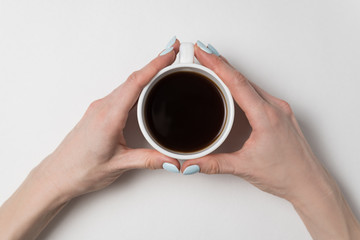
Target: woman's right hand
x=276 y=158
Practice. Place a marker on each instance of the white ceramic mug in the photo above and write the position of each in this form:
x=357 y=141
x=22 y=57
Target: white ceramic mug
x=186 y=63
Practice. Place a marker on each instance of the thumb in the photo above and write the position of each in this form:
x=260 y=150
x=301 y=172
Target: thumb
x=211 y=164
x=144 y=158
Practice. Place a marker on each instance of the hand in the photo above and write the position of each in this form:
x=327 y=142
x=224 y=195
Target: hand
x=94 y=153
x=276 y=158
x=90 y=157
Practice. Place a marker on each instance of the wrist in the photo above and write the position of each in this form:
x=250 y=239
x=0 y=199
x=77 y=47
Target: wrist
x=30 y=208
x=42 y=183
x=324 y=211
x=315 y=189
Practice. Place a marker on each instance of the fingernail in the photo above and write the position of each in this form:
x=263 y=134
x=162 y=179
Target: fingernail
x=167 y=50
x=171 y=42
x=170 y=167
x=203 y=47
x=191 y=169
x=214 y=51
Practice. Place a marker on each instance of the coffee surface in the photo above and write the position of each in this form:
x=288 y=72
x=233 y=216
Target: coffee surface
x=185 y=112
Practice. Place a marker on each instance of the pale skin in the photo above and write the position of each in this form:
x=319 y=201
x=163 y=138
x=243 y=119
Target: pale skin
x=276 y=158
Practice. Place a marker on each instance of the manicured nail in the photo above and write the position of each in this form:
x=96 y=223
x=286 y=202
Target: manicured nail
x=167 y=50
x=171 y=42
x=191 y=169
x=170 y=167
x=214 y=51
x=203 y=47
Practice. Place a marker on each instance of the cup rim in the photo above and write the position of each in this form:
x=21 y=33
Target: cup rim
x=203 y=152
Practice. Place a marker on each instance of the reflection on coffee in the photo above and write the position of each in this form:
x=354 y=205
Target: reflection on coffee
x=185 y=112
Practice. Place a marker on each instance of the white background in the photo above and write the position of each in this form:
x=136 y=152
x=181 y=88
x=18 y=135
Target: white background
x=58 y=56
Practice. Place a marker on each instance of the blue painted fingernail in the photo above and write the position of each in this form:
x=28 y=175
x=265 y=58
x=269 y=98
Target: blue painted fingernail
x=191 y=169
x=167 y=50
x=214 y=51
x=171 y=42
x=203 y=47
x=170 y=167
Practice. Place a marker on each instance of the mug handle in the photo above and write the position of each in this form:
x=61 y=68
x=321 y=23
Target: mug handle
x=186 y=52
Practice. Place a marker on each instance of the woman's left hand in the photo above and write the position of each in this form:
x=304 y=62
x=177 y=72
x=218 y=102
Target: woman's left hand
x=94 y=153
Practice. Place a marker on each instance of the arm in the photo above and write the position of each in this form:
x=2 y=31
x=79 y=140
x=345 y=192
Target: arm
x=92 y=156
x=277 y=158
x=326 y=214
x=34 y=204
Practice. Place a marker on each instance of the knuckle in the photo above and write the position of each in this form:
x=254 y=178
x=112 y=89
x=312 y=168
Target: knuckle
x=134 y=78
x=98 y=115
x=95 y=104
x=277 y=114
x=149 y=164
x=149 y=161
x=285 y=106
x=213 y=167
x=239 y=79
x=217 y=63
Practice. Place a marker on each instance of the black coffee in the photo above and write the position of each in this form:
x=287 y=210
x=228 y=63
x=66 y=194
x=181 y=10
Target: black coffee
x=185 y=112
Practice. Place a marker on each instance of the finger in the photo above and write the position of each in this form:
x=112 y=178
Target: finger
x=265 y=95
x=224 y=163
x=282 y=104
x=225 y=60
x=260 y=91
x=244 y=94
x=126 y=94
x=143 y=158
